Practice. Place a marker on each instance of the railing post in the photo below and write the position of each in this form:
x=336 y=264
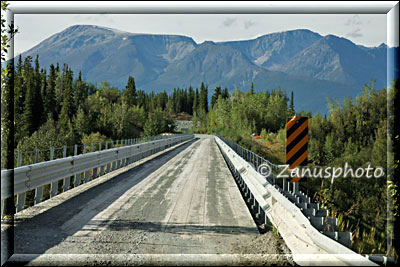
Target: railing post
x=86 y=173
x=295 y=188
x=21 y=198
x=77 y=179
x=94 y=170
x=66 y=180
x=106 y=145
x=54 y=185
x=102 y=166
x=39 y=190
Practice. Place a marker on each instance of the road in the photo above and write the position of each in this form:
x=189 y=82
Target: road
x=183 y=201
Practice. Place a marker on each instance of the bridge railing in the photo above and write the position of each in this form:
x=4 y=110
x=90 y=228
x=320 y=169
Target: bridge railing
x=57 y=175
x=24 y=157
x=309 y=232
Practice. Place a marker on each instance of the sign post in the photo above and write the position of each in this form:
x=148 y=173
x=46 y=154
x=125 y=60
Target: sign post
x=296 y=147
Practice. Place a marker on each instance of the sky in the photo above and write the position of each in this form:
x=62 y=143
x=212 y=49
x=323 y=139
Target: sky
x=362 y=29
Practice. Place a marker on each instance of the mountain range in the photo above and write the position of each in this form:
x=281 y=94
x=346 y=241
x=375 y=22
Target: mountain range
x=302 y=61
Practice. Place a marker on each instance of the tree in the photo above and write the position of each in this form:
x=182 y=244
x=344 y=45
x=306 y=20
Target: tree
x=82 y=123
x=252 y=89
x=130 y=92
x=225 y=93
x=215 y=96
x=203 y=98
x=190 y=100
x=196 y=101
x=81 y=90
x=38 y=101
x=50 y=99
x=29 y=124
x=7 y=116
x=7 y=108
x=291 y=106
x=151 y=127
x=19 y=98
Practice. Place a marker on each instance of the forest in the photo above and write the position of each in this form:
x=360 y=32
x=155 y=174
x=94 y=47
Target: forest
x=60 y=108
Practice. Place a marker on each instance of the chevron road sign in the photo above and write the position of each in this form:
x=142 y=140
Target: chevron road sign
x=296 y=143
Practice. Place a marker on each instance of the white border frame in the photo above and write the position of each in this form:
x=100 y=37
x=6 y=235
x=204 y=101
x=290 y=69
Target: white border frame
x=391 y=8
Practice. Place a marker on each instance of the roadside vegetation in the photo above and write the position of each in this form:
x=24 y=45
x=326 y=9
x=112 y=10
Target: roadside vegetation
x=354 y=132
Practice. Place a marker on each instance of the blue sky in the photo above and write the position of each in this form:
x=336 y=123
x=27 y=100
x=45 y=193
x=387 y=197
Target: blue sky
x=363 y=29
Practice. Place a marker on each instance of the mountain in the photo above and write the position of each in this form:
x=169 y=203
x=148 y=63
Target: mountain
x=272 y=50
x=311 y=65
x=338 y=59
x=112 y=55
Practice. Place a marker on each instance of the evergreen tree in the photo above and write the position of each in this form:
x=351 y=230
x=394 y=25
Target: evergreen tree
x=67 y=107
x=140 y=98
x=50 y=100
x=225 y=93
x=252 y=89
x=38 y=101
x=203 y=98
x=196 y=101
x=28 y=117
x=19 y=89
x=151 y=127
x=19 y=98
x=7 y=114
x=81 y=91
x=190 y=100
x=130 y=92
x=44 y=91
x=215 y=96
x=291 y=106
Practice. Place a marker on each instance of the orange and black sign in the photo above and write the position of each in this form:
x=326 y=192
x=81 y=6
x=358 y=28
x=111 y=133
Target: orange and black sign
x=296 y=143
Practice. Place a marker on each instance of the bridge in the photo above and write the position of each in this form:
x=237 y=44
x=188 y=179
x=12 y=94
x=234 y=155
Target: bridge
x=183 y=199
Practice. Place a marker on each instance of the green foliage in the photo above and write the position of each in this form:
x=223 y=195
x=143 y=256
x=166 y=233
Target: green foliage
x=94 y=138
x=354 y=133
x=130 y=92
x=7 y=126
x=243 y=113
x=77 y=108
x=263 y=134
x=5 y=29
x=48 y=135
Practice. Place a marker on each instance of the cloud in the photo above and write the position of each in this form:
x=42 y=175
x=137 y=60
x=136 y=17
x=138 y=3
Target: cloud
x=355 y=34
x=355 y=20
x=229 y=21
x=248 y=24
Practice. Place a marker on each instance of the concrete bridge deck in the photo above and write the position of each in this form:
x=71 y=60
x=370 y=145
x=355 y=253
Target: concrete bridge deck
x=180 y=201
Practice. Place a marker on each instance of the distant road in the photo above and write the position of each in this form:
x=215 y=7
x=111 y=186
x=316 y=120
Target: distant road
x=183 y=201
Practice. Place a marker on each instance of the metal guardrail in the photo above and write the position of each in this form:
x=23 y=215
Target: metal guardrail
x=22 y=157
x=81 y=168
x=269 y=203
